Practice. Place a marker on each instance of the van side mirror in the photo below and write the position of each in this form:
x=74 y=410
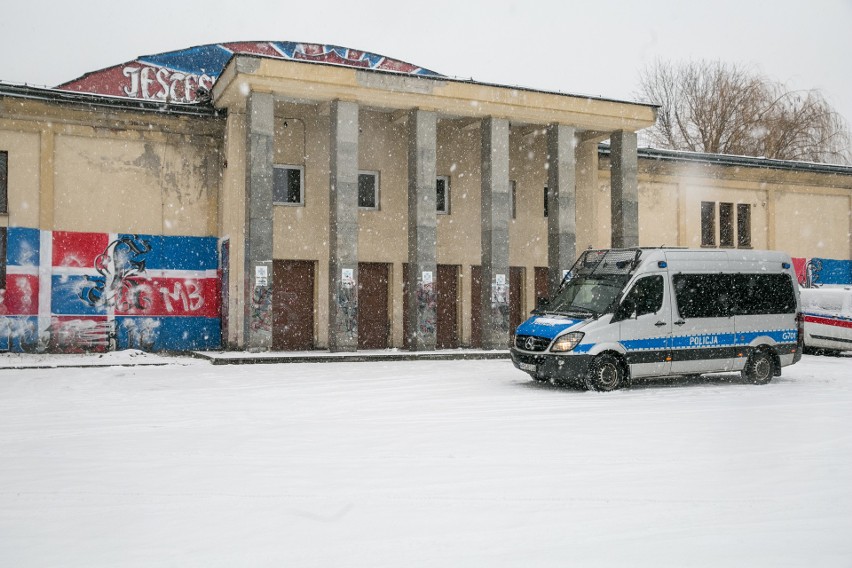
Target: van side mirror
x=542 y=302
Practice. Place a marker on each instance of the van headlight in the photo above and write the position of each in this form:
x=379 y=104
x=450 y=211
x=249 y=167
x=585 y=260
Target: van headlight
x=567 y=342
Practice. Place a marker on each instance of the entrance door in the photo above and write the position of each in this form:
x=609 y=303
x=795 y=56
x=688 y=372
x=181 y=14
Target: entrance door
x=447 y=331
x=475 y=307
x=373 y=312
x=517 y=314
x=293 y=305
x=541 y=284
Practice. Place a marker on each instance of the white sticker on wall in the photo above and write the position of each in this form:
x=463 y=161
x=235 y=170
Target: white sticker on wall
x=261 y=271
x=427 y=277
x=501 y=279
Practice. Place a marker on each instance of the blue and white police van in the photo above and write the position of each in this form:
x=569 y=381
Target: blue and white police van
x=623 y=314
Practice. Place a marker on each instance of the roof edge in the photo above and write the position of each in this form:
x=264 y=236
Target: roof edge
x=49 y=94
x=732 y=160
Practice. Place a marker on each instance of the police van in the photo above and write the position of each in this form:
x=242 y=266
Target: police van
x=623 y=314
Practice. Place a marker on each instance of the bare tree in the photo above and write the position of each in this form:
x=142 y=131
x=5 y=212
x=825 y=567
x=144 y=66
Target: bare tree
x=722 y=108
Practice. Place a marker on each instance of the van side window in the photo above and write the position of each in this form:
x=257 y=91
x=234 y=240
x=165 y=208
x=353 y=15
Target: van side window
x=646 y=297
x=759 y=294
x=704 y=295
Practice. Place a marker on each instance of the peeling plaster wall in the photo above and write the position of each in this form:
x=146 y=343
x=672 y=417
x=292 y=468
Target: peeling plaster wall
x=130 y=184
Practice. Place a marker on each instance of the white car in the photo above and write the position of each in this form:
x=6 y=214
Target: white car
x=828 y=318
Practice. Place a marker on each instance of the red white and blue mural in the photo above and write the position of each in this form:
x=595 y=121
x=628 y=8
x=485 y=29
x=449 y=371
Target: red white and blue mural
x=176 y=76
x=70 y=292
x=816 y=272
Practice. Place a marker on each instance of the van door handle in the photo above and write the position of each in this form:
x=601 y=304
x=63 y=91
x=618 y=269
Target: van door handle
x=679 y=322
x=660 y=323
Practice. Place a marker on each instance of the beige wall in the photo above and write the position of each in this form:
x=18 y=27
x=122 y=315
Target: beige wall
x=802 y=213
x=810 y=223
x=157 y=185
x=122 y=171
x=117 y=171
x=24 y=175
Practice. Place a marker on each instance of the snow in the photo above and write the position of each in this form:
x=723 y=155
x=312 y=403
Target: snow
x=419 y=463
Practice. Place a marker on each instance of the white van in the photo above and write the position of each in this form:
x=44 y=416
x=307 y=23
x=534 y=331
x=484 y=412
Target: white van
x=828 y=318
x=630 y=313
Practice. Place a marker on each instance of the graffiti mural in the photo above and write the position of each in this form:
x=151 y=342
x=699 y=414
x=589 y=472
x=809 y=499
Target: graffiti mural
x=347 y=305
x=119 y=268
x=427 y=307
x=816 y=272
x=71 y=292
x=500 y=303
x=188 y=75
x=261 y=309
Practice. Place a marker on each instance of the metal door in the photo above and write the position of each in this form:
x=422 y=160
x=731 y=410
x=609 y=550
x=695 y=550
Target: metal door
x=293 y=305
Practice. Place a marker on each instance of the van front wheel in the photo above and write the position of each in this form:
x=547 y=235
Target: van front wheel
x=605 y=373
x=759 y=368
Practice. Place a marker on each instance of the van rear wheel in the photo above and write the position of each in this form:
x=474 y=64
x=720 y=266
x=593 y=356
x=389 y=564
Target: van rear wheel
x=605 y=373
x=759 y=368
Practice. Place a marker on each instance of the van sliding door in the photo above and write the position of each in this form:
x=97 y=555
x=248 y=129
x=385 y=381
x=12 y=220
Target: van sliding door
x=703 y=334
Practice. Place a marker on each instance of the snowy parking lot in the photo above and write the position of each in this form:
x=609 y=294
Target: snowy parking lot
x=431 y=463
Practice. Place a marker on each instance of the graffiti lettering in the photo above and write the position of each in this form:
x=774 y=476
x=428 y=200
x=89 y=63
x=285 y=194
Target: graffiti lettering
x=161 y=84
x=261 y=309
x=189 y=295
x=119 y=267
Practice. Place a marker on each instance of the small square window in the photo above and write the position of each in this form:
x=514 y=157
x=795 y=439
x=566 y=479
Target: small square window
x=368 y=190
x=726 y=225
x=708 y=223
x=442 y=194
x=744 y=225
x=288 y=185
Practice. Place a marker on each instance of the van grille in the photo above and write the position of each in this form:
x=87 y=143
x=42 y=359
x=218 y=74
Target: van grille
x=531 y=342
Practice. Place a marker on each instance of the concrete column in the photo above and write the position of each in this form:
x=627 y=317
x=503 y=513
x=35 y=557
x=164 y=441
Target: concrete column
x=624 y=189
x=422 y=231
x=343 y=228
x=257 y=330
x=561 y=203
x=496 y=213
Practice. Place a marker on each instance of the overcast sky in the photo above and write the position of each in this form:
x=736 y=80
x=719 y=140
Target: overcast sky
x=593 y=47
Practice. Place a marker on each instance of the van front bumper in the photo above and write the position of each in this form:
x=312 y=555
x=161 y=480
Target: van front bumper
x=542 y=367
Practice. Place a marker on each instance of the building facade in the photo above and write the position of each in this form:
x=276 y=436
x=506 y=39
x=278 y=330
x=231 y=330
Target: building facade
x=279 y=196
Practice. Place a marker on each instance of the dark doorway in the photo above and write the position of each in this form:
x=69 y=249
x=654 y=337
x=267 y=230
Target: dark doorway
x=447 y=330
x=541 y=284
x=475 y=307
x=293 y=305
x=517 y=313
x=447 y=308
x=373 y=313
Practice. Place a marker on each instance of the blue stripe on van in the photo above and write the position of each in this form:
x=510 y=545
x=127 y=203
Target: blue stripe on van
x=546 y=326
x=699 y=341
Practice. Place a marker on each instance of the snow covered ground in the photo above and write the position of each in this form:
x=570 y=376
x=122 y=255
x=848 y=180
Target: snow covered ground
x=436 y=463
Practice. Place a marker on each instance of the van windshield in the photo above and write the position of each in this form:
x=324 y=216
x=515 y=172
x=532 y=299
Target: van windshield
x=587 y=296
